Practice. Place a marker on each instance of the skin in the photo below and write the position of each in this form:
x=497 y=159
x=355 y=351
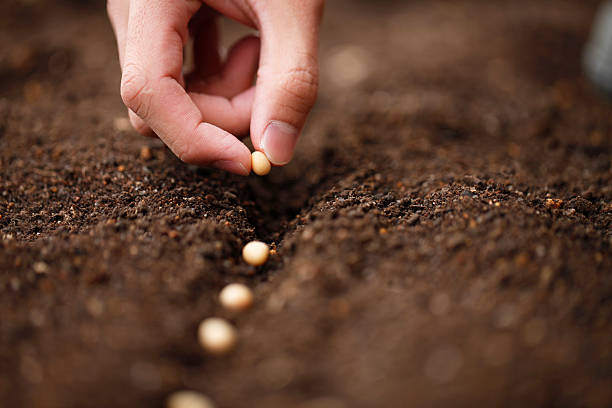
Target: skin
x=199 y=113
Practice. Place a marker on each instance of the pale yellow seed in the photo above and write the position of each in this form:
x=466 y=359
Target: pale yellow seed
x=188 y=399
x=260 y=164
x=217 y=336
x=255 y=253
x=236 y=297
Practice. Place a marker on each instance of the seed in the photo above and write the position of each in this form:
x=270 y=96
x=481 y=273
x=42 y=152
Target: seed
x=188 y=399
x=236 y=297
x=260 y=163
x=217 y=336
x=255 y=253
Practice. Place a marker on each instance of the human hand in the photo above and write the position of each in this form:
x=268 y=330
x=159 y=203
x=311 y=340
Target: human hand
x=197 y=114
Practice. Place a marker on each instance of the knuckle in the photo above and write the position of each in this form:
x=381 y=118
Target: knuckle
x=135 y=90
x=301 y=84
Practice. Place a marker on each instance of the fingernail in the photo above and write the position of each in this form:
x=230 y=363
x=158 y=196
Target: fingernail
x=231 y=166
x=279 y=141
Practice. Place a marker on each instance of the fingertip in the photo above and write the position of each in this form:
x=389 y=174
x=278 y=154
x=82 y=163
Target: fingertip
x=278 y=142
x=231 y=166
x=214 y=147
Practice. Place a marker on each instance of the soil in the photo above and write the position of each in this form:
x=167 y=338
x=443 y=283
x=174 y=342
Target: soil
x=443 y=236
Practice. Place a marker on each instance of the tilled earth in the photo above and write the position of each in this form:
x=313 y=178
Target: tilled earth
x=443 y=236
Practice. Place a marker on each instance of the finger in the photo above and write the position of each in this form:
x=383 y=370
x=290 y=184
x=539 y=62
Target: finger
x=237 y=74
x=118 y=13
x=241 y=65
x=231 y=114
x=287 y=79
x=151 y=87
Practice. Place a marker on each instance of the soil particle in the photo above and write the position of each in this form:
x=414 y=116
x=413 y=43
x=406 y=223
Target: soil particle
x=581 y=205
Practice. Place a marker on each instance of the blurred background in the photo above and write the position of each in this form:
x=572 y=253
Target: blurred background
x=365 y=45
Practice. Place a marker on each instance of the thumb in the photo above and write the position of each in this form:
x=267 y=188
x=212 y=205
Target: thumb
x=287 y=79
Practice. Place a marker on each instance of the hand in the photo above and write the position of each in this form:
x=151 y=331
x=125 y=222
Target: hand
x=197 y=114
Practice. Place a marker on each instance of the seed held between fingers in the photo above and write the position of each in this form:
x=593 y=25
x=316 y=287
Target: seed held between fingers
x=255 y=253
x=260 y=163
x=236 y=297
x=217 y=336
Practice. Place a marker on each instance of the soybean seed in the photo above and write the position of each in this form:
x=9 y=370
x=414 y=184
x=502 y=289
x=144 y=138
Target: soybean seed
x=188 y=399
x=255 y=253
x=217 y=336
x=236 y=297
x=260 y=163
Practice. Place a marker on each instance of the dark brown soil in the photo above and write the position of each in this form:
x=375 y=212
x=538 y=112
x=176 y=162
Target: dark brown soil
x=443 y=235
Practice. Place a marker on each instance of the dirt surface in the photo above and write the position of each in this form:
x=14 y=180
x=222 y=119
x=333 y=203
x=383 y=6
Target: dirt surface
x=443 y=236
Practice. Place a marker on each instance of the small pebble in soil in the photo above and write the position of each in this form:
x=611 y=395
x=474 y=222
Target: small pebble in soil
x=236 y=297
x=553 y=203
x=260 y=164
x=188 y=399
x=255 y=253
x=217 y=336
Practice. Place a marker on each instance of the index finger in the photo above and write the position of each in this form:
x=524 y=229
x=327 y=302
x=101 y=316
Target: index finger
x=151 y=86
